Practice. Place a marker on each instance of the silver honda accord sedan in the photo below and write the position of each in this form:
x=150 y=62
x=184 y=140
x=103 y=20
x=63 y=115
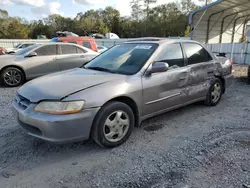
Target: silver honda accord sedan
x=105 y=99
x=41 y=59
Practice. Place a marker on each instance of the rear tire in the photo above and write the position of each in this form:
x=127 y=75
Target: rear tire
x=113 y=124
x=12 y=77
x=214 y=93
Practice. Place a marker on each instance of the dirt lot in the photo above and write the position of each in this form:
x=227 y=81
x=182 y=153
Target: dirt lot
x=191 y=147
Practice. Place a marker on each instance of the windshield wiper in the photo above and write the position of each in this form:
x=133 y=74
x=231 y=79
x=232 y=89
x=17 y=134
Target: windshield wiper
x=100 y=69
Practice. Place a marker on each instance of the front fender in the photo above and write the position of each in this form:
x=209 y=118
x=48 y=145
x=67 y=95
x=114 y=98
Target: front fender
x=99 y=95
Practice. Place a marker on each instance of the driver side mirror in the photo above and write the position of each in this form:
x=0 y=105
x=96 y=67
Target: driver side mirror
x=158 y=66
x=31 y=54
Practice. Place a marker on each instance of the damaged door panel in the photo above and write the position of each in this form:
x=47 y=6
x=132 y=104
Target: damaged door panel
x=199 y=79
x=165 y=90
x=202 y=70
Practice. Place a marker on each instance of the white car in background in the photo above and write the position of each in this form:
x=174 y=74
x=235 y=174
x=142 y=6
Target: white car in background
x=18 y=47
x=101 y=49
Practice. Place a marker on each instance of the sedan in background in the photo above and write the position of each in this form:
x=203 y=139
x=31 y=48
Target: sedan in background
x=41 y=59
x=101 y=49
x=118 y=89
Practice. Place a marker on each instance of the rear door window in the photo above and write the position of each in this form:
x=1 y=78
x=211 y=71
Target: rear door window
x=68 y=49
x=80 y=51
x=173 y=55
x=196 y=53
x=46 y=50
x=24 y=46
x=86 y=44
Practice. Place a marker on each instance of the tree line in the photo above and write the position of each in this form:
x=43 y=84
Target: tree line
x=164 y=20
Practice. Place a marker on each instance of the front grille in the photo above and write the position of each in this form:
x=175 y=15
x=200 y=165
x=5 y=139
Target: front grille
x=22 y=101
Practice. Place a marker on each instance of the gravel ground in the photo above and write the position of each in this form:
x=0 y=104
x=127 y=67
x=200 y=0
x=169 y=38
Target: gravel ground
x=192 y=147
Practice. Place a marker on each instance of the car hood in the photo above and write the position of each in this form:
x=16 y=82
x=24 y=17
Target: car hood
x=60 y=85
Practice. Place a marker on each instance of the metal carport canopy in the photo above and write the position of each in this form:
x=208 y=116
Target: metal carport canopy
x=223 y=21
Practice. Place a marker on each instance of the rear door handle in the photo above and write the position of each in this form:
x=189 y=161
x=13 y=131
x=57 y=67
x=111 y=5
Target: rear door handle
x=210 y=72
x=55 y=58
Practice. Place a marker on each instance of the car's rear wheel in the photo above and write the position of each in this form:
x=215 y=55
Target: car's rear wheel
x=12 y=77
x=113 y=124
x=215 y=93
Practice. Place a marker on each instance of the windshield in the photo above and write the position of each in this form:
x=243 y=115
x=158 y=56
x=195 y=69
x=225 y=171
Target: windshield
x=125 y=58
x=16 y=46
x=25 y=50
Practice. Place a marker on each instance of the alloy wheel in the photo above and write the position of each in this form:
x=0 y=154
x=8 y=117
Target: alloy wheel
x=216 y=92
x=116 y=126
x=12 y=77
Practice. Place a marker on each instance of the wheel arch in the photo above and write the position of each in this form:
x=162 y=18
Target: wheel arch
x=222 y=81
x=14 y=66
x=132 y=104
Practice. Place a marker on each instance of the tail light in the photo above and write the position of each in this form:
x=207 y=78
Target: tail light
x=231 y=65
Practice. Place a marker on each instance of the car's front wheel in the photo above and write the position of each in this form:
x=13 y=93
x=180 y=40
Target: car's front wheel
x=113 y=124
x=12 y=77
x=214 y=93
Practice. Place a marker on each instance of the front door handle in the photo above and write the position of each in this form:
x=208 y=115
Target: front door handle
x=210 y=72
x=55 y=58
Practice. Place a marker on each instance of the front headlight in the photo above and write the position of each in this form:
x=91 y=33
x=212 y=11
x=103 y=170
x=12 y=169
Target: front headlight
x=51 y=107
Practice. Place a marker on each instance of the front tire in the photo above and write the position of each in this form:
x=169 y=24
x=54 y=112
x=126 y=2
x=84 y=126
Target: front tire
x=12 y=77
x=113 y=124
x=214 y=93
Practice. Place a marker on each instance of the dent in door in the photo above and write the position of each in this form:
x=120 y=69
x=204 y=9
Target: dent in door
x=199 y=80
x=164 y=90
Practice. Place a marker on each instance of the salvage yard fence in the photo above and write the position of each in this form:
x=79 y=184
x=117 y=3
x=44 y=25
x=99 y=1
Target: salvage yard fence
x=239 y=52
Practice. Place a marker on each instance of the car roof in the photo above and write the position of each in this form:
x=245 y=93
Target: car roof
x=65 y=43
x=75 y=38
x=158 y=40
x=59 y=43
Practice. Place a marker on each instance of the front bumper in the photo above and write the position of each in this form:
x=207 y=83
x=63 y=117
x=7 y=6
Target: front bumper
x=55 y=128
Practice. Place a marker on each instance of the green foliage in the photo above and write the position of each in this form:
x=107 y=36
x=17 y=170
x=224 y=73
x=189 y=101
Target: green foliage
x=243 y=39
x=187 y=32
x=146 y=19
x=3 y=13
x=136 y=6
x=13 y=28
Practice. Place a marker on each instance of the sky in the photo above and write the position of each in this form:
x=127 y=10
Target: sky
x=37 y=9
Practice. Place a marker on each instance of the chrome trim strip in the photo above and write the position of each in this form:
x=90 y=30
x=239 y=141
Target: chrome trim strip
x=158 y=100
